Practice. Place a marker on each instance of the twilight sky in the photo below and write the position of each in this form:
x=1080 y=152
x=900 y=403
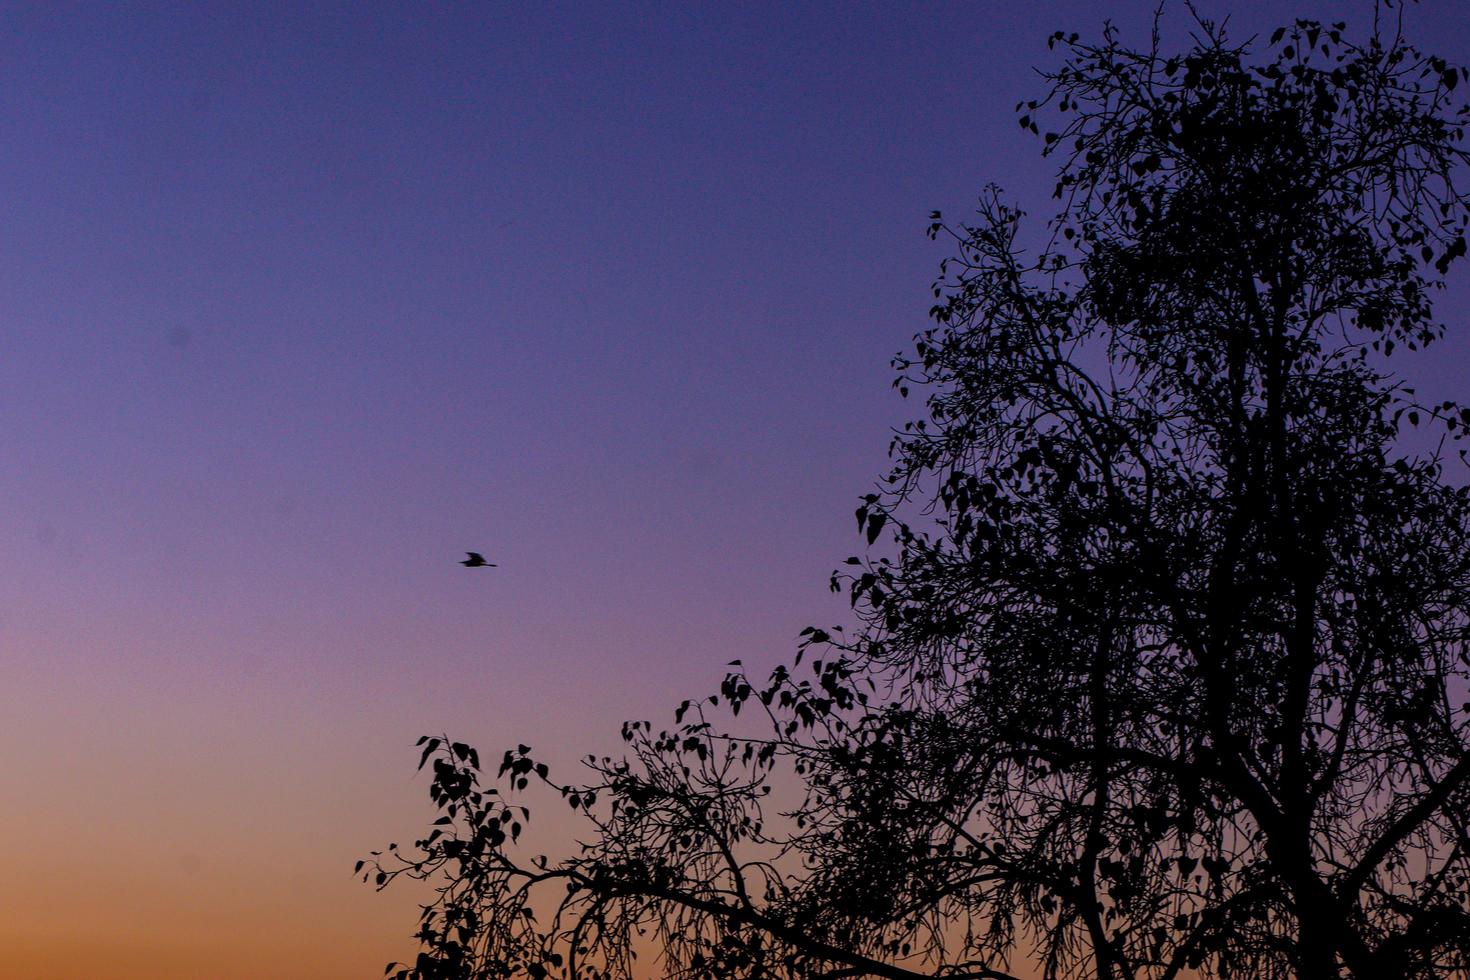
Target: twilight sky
x=300 y=302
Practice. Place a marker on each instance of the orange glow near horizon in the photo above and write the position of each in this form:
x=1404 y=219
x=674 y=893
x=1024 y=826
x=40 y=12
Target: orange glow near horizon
x=302 y=303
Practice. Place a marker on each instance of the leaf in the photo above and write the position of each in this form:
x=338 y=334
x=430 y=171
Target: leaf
x=875 y=525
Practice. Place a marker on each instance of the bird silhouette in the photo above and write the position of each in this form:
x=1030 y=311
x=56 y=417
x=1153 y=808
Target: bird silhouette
x=476 y=560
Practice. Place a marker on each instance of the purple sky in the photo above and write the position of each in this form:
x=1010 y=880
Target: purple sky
x=303 y=301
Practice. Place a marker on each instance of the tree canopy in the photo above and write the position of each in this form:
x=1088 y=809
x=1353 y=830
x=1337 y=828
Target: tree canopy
x=1165 y=669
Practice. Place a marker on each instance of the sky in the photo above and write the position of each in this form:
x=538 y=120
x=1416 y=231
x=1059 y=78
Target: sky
x=303 y=301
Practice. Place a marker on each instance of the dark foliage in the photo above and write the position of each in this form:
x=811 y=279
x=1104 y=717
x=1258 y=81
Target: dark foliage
x=1166 y=673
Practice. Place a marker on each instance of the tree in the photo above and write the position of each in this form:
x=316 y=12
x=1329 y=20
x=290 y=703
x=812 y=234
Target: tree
x=1165 y=671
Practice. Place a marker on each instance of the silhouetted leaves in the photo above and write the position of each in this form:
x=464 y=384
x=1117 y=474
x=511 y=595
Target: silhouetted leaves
x=1163 y=667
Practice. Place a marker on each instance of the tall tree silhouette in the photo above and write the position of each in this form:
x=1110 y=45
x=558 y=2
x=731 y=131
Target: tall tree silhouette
x=1165 y=670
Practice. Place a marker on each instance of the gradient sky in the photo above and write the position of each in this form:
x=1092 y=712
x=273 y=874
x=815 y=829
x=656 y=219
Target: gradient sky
x=302 y=301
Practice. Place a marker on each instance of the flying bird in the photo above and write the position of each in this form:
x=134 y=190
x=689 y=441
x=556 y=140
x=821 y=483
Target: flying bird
x=476 y=560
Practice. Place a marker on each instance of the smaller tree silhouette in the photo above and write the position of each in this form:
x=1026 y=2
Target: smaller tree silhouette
x=1169 y=671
